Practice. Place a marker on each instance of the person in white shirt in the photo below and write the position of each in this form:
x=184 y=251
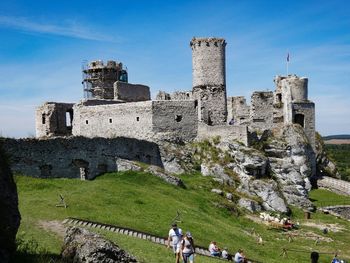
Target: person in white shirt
x=175 y=236
x=239 y=257
x=214 y=249
x=224 y=253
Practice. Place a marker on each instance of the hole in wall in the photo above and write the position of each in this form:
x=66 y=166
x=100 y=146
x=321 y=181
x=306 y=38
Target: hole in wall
x=279 y=97
x=299 y=119
x=45 y=170
x=137 y=118
x=178 y=118
x=43 y=118
x=110 y=120
x=69 y=119
x=86 y=122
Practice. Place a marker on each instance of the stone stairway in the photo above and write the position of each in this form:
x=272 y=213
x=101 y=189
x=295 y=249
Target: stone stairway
x=134 y=233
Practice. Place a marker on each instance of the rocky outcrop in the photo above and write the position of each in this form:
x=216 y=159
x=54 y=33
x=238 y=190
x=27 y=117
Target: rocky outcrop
x=292 y=164
x=9 y=214
x=325 y=166
x=80 y=245
x=127 y=165
x=272 y=174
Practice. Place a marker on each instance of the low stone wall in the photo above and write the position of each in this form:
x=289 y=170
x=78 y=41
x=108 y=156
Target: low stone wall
x=342 y=211
x=232 y=132
x=334 y=185
x=76 y=157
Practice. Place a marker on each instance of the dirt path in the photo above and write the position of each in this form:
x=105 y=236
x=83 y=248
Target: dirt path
x=53 y=226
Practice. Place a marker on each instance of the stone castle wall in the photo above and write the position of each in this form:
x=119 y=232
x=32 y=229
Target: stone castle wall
x=232 y=132
x=132 y=120
x=261 y=111
x=131 y=92
x=149 y=120
x=335 y=185
x=306 y=109
x=238 y=110
x=212 y=104
x=51 y=119
x=76 y=157
x=175 y=119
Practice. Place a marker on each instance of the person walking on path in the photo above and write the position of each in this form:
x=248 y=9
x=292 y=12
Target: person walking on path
x=187 y=248
x=175 y=236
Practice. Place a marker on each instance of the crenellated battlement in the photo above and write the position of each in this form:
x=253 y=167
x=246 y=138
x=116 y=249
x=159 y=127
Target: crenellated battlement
x=207 y=42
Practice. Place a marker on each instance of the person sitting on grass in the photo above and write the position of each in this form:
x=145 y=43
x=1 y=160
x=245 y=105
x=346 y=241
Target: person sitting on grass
x=214 y=249
x=239 y=257
x=225 y=254
x=187 y=248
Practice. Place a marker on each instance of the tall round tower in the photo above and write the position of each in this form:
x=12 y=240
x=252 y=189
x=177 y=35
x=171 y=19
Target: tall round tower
x=209 y=79
x=208 y=61
x=298 y=87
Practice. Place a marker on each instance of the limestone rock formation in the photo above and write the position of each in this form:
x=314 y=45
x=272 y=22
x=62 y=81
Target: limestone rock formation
x=325 y=166
x=292 y=164
x=80 y=245
x=127 y=165
x=9 y=214
x=271 y=174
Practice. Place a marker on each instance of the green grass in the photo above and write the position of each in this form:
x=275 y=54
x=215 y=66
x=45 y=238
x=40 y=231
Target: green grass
x=322 y=197
x=144 y=202
x=340 y=154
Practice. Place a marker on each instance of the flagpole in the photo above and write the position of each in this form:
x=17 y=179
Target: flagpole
x=287 y=63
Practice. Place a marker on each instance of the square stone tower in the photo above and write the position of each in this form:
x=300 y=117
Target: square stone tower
x=209 y=79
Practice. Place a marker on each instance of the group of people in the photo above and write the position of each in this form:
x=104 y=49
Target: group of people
x=183 y=247
x=315 y=256
x=215 y=251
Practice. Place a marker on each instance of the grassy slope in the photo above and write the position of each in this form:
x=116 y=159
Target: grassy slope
x=341 y=155
x=143 y=202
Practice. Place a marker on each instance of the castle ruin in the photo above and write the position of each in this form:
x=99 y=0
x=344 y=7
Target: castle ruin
x=115 y=108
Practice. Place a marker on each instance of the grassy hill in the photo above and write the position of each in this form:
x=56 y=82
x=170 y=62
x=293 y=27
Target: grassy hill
x=143 y=202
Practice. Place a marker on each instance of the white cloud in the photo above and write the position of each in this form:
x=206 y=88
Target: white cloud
x=67 y=29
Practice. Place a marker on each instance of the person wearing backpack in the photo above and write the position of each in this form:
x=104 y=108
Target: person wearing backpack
x=187 y=248
x=175 y=235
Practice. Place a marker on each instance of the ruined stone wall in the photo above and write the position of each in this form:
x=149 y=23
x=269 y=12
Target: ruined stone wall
x=334 y=185
x=51 y=119
x=232 y=132
x=212 y=104
x=307 y=110
x=76 y=157
x=133 y=119
x=149 y=120
x=177 y=95
x=261 y=111
x=131 y=92
x=238 y=110
x=175 y=119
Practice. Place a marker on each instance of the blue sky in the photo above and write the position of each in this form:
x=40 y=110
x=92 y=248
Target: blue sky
x=43 y=44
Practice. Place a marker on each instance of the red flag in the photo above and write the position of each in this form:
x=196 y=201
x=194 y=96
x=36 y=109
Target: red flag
x=288 y=57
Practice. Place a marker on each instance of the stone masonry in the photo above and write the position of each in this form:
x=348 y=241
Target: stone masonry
x=77 y=157
x=116 y=108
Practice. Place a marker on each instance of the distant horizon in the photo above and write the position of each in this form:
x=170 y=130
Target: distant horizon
x=44 y=44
